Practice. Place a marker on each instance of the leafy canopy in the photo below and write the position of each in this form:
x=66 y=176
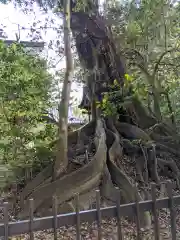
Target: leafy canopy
x=25 y=86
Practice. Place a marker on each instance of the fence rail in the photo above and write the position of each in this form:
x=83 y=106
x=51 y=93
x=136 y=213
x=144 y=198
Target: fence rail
x=8 y=229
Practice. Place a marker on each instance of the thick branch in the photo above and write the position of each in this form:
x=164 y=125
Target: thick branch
x=172 y=115
x=160 y=59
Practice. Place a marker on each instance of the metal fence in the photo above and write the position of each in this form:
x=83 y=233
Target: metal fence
x=56 y=221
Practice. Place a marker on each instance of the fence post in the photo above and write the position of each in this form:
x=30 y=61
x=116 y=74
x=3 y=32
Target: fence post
x=6 y=221
x=31 y=218
x=54 y=208
x=154 y=208
x=138 y=224
x=78 y=234
x=118 y=202
x=172 y=210
x=98 y=201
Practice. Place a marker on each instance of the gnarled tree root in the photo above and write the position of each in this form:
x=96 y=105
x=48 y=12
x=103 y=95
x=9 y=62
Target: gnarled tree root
x=130 y=131
x=106 y=169
x=129 y=191
x=39 y=179
x=45 y=176
x=80 y=181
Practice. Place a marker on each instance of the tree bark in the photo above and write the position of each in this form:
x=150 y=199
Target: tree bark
x=61 y=161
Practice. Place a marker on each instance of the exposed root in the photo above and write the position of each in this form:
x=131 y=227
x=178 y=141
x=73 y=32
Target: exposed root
x=129 y=191
x=144 y=120
x=80 y=181
x=145 y=170
x=145 y=173
x=39 y=179
x=107 y=189
x=167 y=141
x=139 y=169
x=122 y=181
x=130 y=148
x=44 y=177
x=131 y=132
x=153 y=166
x=113 y=143
x=162 y=129
x=163 y=148
x=172 y=165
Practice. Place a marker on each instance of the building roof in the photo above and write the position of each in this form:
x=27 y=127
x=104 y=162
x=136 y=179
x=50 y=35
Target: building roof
x=26 y=43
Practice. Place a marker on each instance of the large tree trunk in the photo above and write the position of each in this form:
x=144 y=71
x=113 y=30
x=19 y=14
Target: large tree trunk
x=106 y=151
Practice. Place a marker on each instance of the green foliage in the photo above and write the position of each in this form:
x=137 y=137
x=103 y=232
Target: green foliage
x=81 y=5
x=24 y=95
x=146 y=31
x=6 y=176
x=117 y=98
